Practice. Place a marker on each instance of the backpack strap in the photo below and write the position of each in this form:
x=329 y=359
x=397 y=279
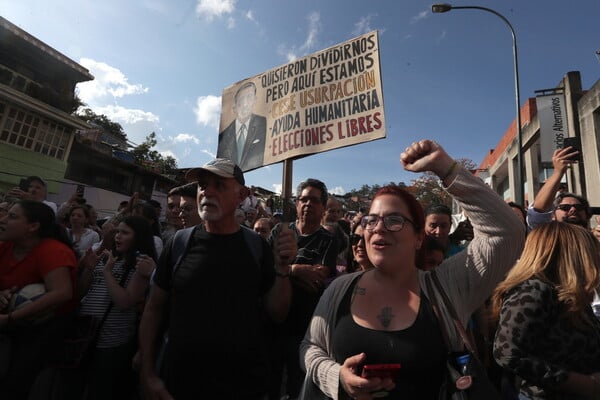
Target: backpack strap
x=182 y=239
x=179 y=246
x=254 y=242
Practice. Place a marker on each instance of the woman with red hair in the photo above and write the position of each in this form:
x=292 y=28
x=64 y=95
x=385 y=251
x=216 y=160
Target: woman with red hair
x=384 y=315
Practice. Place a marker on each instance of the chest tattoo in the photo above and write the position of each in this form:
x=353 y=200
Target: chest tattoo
x=386 y=317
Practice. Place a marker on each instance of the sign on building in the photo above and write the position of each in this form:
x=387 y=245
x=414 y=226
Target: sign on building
x=327 y=100
x=552 y=115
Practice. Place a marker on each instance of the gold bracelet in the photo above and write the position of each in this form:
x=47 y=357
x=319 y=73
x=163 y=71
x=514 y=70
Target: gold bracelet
x=450 y=170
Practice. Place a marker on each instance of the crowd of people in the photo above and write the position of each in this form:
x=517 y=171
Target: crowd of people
x=224 y=299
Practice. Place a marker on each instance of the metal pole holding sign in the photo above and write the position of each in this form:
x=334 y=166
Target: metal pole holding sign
x=286 y=190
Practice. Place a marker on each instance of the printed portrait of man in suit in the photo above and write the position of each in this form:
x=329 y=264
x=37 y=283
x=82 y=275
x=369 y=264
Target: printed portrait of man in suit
x=243 y=141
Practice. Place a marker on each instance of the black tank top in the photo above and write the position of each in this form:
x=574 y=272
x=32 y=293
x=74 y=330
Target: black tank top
x=419 y=349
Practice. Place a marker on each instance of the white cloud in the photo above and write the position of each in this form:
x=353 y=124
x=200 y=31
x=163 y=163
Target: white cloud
x=363 y=25
x=214 y=8
x=137 y=124
x=209 y=153
x=250 y=16
x=420 y=16
x=337 y=190
x=186 y=152
x=277 y=188
x=290 y=56
x=314 y=26
x=310 y=43
x=166 y=153
x=185 y=137
x=230 y=23
x=109 y=83
x=102 y=95
x=126 y=115
x=442 y=36
x=208 y=110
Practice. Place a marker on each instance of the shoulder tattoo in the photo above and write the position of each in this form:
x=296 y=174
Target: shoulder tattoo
x=357 y=291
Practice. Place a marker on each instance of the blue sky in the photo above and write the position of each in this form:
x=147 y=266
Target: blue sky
x=161 y=65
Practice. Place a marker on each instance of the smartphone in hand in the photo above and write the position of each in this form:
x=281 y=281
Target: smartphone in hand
x=382 y=371
x=575 y=143
x=24 y=184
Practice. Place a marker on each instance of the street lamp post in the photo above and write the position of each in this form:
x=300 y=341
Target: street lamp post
x=442 y=8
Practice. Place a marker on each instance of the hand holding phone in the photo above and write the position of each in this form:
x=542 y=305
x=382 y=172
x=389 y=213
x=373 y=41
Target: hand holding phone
x=357 y=386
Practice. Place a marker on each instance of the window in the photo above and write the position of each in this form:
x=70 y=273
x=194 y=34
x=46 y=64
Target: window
x=33 y=132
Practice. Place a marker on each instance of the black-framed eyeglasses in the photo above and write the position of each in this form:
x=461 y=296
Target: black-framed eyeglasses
x=567 y=207
x=354 y=239
x=392 y=223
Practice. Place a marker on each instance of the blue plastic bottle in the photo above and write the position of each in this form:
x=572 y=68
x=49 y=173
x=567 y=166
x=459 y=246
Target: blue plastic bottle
x=461 y=362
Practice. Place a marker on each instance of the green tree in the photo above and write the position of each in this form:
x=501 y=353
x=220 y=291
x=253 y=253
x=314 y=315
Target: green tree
x=152 y=159
x=428 y=190
x=364 y=195
x=103 y=121
x=75 y=104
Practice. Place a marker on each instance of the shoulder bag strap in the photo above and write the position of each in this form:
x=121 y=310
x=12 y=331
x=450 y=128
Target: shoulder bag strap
x=436 y=310
x=452 y=311
x=110 y=306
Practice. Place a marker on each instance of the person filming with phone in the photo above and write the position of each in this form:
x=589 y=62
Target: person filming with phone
x=370 y=319
x=564 y=207
x=32 y=188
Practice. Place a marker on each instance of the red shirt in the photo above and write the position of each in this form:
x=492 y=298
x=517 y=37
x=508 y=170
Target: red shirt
x=47 y=256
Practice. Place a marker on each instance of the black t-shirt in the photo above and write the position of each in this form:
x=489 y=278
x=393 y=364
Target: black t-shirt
x=419 y=349
x=216 y=340
x=319 y=247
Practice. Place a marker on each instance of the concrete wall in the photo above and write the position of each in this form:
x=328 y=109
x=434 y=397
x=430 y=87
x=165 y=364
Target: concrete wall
x=17 y=163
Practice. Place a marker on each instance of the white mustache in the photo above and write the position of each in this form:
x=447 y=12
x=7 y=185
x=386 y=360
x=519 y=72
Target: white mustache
x=205 y=202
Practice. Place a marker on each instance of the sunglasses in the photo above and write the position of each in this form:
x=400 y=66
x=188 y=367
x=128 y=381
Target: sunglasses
x=354 y=239
x=567 y=207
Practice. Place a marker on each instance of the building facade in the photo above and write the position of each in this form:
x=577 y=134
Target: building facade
x=37 y=97
x=499 y=167
x=39 y=135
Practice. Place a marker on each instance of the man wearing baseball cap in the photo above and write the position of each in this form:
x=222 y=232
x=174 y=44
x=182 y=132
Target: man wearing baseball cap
x=212 y=302
x=35 y=188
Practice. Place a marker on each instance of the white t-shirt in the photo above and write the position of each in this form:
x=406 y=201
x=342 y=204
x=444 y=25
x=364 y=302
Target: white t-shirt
x=51 y=205
x=249 y=202
x=87 y=239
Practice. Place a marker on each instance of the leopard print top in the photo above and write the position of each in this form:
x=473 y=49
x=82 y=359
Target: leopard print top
x=537 y=344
